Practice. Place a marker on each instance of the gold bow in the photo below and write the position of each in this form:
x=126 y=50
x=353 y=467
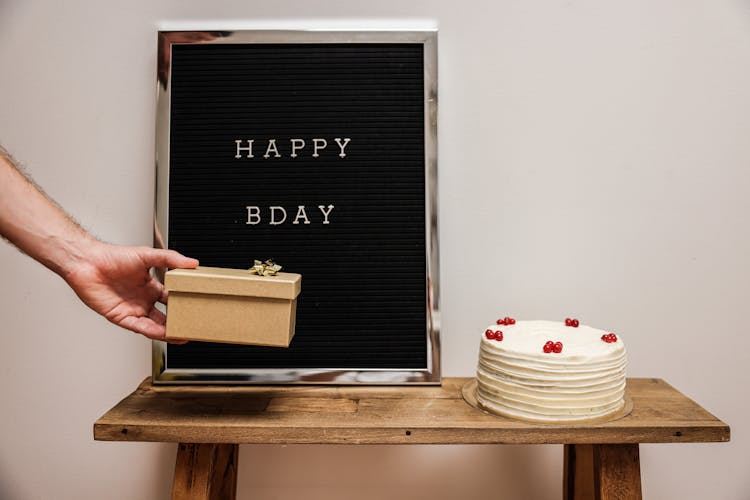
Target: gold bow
x=267 y=268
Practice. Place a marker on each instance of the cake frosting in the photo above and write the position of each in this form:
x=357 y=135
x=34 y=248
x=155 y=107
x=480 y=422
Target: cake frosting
x=547 y=371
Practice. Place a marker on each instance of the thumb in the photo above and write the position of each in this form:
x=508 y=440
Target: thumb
x=155 y=257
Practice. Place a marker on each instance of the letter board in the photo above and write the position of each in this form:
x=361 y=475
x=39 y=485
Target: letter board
x=316 y=149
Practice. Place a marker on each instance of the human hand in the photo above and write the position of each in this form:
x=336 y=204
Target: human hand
x=115 y=282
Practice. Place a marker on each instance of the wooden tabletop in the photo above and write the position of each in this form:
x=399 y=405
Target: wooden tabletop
x=384 y=415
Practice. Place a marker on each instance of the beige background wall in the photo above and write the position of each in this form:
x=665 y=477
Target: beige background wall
x=594 y=161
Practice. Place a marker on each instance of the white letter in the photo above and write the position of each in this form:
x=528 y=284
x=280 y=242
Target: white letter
x=295 y=147
x=249 y=148
x=272 y=147
x=301 y=213
x=273 y=216
x=342 y=146
x=253 y=215
x=316 y=147
x=325 y=213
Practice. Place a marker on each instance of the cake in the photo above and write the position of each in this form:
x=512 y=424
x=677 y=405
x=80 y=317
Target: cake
x=551 y=371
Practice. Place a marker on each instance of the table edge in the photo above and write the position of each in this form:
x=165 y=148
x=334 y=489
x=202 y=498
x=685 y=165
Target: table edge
x=105 y=429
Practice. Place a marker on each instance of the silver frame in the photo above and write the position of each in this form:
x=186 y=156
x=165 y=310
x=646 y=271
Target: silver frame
x=429 y=376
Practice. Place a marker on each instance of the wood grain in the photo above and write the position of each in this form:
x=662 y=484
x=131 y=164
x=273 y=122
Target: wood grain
x=384 y=415
x=578 y=472
x=205 y=472
x=602 y=472
x=617 y=472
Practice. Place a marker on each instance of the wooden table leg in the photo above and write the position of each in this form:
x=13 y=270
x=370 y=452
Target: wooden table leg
x=205 y=471
x=578 y=472
x=602 y=472
x=617 y=471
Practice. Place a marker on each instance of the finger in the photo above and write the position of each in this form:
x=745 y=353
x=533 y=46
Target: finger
x=145 y=326
x=149 y=331
x=161 y=319
x=163 y=294
x=157 y=316
x=155 y=257
x=156 y=290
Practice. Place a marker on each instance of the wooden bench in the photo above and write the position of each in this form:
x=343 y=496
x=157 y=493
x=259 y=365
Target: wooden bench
x=210 y=422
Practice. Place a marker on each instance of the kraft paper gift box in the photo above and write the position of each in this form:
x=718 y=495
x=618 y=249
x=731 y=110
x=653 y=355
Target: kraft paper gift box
x=214 y=304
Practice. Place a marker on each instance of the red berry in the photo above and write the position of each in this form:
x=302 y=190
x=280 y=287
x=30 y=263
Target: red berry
x=604 y=337
x=557 y=347
x=501 y=322
x=549 y=346
x=491 y=335
x=498 y=335
x=568 y=322
x=574 y=323
x=511 y=321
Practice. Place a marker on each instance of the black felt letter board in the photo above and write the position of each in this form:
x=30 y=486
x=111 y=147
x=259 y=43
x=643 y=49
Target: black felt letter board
x=358 y=241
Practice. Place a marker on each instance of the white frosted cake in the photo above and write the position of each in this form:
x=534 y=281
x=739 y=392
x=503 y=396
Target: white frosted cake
x=551 y=371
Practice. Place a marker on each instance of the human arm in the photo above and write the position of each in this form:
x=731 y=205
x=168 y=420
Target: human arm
x=112 y=280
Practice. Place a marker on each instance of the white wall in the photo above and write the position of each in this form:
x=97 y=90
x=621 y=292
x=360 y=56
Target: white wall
x=594 y=160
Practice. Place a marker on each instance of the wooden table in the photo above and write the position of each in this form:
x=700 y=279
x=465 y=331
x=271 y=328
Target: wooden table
x=209 y=422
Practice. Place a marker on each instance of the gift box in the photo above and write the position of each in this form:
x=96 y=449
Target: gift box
x=214 y=304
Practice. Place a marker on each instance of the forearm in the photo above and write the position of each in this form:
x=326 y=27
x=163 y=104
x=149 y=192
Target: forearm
x=36 y=225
